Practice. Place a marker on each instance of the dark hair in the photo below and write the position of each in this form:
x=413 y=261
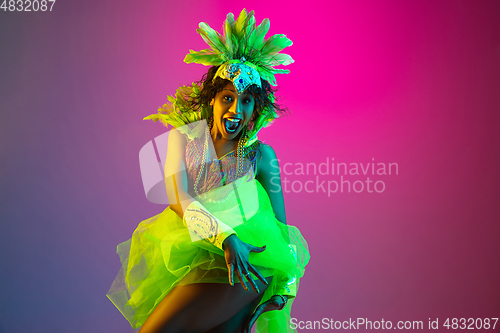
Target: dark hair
x=264 y=97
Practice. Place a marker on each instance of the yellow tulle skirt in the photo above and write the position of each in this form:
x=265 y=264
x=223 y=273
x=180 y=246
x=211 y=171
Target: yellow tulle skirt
x=161 y=255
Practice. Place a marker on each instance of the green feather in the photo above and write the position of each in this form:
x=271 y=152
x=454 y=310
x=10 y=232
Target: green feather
x=212 y=37
x=228 y=39
x=240 y=24
x=281 y=71
x=275 y=44
x=230 y=18
x=250 y=23
x=205 y=57
x=252 y=137
x=277 y=59
x=178 y=111
x=255 y=42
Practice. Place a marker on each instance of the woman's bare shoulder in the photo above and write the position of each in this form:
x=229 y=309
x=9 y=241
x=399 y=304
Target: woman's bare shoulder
x=268 y=162
x=176 y=137
x=267 y=152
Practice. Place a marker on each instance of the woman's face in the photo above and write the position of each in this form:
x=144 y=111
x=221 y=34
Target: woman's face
x=232 y=111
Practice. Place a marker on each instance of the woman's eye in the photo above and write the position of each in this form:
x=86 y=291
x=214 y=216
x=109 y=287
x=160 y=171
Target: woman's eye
x=228 y=98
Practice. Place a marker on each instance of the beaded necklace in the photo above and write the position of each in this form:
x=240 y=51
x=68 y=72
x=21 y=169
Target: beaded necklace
x=240 y=153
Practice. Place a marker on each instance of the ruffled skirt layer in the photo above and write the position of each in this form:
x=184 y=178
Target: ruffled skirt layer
x=161 y=255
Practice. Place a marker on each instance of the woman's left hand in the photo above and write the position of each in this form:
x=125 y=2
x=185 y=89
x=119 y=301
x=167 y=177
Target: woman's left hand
x=275 y=303
x=236 y=253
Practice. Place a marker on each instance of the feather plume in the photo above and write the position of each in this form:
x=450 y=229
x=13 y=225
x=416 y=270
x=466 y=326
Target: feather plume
x=242 y=37
x=259 y=34
x=212 y=38
x=206 y=57
x=228 y=39
x=177 y=112
x=275 y=44
x=230 y=18
x=240 y=24
x=278 y=59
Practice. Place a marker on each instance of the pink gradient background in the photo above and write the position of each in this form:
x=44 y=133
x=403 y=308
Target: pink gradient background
x=410 y=82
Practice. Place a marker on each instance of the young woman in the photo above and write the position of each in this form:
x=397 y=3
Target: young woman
x=221 y=256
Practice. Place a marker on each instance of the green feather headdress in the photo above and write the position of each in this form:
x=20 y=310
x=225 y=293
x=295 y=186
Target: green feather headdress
x=243 y=43
x=242 y=38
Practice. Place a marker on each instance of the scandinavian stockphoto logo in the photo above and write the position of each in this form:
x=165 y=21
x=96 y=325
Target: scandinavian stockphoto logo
x=331 y=177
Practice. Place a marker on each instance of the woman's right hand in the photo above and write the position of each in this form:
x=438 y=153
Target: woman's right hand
x=236 y=253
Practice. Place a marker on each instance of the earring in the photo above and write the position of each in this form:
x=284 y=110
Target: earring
x=210 y=121
x=210 y=118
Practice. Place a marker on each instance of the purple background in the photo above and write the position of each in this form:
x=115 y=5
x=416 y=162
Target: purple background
x=410 y=82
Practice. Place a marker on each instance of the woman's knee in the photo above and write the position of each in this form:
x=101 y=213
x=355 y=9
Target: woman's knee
x=199 y=307
x=172 y=314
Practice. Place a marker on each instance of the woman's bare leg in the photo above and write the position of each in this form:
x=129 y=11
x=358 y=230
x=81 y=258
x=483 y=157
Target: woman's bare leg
x=239 y=320
x=200 y=307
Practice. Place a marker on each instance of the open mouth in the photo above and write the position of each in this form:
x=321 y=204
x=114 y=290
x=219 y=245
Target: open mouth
x=232 y=124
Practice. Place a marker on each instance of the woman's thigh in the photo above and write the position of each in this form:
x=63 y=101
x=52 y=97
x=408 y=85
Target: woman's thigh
x=200 y=307
x=239 y=320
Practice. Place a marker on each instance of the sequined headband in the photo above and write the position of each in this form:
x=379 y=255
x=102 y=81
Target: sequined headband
x=240 y=72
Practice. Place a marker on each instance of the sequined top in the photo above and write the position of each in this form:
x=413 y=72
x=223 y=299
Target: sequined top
x=217 y=172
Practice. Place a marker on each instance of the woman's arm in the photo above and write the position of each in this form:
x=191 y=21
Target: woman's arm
x=268 y=175
x=195 y=216
x=176 y=181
